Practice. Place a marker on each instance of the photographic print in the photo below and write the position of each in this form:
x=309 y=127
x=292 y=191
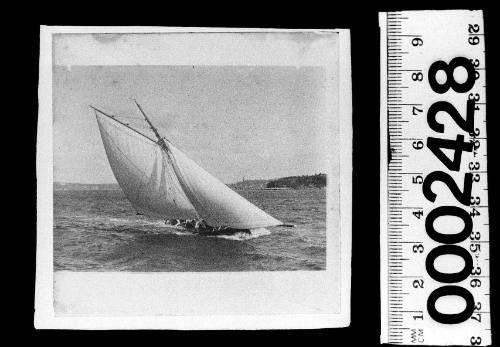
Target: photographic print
x=193 y=178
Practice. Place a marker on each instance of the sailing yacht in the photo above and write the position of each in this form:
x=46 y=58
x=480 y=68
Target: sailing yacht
x=161 y=181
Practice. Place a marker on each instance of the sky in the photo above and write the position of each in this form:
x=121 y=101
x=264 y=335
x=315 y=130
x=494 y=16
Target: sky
x=234 y=121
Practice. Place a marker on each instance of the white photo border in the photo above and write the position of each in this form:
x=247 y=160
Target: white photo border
x=45 y=316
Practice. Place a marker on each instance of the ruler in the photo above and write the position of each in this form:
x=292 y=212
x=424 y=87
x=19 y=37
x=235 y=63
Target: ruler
x=434 y=193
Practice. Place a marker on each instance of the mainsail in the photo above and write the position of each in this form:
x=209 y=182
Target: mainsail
x=143 y=172
x=161 y=181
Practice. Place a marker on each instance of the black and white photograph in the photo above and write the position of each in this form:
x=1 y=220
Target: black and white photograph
x=193 y=178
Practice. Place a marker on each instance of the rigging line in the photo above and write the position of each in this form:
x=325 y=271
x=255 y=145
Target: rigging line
x=147 y=177
x=143 y=141
x=125 y=125
x=190 y=196
x=172 y=176
x=161 y=139
x=127 y=117
x=157 y=134
x=188 y=192
x=162 y=142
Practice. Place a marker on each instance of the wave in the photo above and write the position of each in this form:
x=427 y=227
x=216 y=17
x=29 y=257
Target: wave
x=237 y=236
x=118 y=226
x=254 y=233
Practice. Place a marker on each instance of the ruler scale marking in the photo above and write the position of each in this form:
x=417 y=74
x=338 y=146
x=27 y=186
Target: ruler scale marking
x=410 y=42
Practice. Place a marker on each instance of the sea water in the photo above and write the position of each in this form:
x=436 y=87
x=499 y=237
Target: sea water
x=98 y=230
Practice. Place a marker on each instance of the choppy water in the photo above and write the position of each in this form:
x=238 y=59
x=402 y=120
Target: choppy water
x=99 y=231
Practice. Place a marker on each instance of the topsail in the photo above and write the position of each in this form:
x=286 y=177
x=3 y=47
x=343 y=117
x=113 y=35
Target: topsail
x=161 y=181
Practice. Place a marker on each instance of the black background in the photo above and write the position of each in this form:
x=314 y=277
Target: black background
x=362 y=19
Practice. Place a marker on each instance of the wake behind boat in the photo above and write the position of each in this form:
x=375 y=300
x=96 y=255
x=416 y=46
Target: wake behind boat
x=162 y=182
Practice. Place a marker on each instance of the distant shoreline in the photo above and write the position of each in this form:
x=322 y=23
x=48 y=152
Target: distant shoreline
x=60 y=186
x=316 y=181
x=305 y=182
x=93 y=187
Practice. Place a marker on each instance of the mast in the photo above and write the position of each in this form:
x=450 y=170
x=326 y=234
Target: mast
x=161 y=141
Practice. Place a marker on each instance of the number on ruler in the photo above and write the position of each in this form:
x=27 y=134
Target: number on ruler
x=466 y=125
x=436 y=145
x=449 y=70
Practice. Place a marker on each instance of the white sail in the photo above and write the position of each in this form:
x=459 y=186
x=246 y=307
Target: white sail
x=144 y=172
x=213 y=200
x=161 y=181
